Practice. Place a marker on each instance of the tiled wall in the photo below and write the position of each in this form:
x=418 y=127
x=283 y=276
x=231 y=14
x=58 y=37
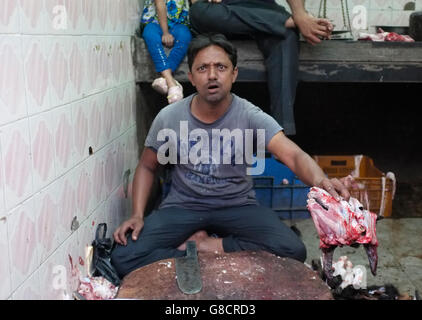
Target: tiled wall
x=378 y=12
x=67 y=135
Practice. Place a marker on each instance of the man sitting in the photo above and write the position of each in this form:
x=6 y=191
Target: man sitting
x=211 y=190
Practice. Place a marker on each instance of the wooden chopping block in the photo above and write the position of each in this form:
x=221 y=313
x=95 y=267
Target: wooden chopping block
x=236 y=276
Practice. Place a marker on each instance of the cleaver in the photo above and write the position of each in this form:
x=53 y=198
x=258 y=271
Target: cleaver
x=187 y=270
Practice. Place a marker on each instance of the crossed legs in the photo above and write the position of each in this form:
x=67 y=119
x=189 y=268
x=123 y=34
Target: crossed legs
x=247 y=228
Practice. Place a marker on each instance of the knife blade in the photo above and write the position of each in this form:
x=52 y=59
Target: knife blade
x=188 y=271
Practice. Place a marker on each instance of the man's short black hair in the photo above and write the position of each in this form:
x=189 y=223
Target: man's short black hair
x=202 y=41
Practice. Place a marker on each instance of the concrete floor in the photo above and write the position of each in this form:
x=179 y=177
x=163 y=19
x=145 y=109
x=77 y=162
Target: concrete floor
x=399 y=252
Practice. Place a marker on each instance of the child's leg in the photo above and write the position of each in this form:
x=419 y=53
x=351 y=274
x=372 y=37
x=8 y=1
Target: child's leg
x=182 y=38
x=152 y=35
x=167 y=74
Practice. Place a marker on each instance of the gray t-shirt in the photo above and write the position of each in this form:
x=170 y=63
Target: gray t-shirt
x=219 y=177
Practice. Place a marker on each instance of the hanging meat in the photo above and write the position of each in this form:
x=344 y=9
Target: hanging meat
x=342 y=223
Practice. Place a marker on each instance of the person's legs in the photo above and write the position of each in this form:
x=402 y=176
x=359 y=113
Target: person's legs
x=164 y=230
x=256 y=228
x=282 y=65
x=182 y=38
x=279 y=45
x=238 y=18
x=152 y=35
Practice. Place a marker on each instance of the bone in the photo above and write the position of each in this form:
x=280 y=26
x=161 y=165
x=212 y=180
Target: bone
x=327 y=260
x=371 y=251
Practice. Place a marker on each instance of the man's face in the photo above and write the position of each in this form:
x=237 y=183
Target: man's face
x=213 y=74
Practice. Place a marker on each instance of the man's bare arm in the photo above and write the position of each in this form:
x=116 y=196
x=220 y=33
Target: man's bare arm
x=141 y=189
x=143 y=181
x=305 y=167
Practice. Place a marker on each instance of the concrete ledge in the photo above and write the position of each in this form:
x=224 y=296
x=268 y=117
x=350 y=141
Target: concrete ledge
x=330 y=61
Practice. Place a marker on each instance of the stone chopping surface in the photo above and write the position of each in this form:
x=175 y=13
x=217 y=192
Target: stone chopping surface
x=236 y=276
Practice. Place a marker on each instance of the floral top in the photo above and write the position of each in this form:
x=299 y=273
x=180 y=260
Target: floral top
x=177 y=12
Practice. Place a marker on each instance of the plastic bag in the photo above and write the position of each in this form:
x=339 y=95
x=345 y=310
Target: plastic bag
x=102 y=256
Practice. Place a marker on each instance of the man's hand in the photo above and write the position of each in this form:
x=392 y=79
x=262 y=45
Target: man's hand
x=313 y=29
x=338 y=188
x=167 y=40
x=135 y=224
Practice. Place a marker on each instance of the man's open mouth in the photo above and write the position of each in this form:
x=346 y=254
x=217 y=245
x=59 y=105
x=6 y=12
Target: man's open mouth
x=213 y=87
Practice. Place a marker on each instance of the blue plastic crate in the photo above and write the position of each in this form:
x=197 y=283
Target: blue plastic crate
x=277 y=170
x=288 y=200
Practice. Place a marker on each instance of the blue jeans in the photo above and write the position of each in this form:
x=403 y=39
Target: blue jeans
x=246 y=228
x=152 y=35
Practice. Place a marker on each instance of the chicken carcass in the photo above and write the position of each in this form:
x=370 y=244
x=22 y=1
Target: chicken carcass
x=342 y=223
